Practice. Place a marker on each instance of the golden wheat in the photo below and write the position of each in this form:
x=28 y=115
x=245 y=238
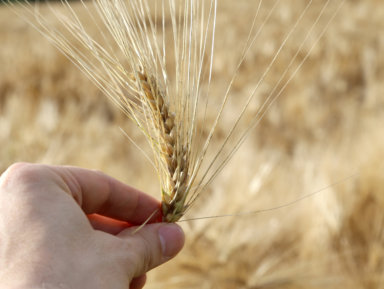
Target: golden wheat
x=137 y=81
x=129 y=62
x=175 y=157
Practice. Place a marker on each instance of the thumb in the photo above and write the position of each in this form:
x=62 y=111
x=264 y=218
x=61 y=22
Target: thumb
x=152 y=245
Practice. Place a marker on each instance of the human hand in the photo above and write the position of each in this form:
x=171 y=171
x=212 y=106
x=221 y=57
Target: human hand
x=49 y=239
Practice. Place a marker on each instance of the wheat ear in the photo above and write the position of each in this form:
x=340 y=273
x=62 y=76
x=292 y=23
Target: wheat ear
x=174 y=158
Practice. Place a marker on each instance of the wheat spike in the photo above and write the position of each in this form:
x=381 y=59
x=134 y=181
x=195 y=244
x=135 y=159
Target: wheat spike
x=174 y=158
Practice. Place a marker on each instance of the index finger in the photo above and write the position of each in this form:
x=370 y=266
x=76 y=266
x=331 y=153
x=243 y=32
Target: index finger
x=98 y=193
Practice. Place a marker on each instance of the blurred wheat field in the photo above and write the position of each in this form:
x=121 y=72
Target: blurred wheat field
x=326 y=125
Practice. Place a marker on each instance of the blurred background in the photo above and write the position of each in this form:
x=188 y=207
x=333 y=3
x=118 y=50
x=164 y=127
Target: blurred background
x=325 y=130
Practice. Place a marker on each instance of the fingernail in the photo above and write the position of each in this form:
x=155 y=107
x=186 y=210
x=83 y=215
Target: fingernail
x=172 y=239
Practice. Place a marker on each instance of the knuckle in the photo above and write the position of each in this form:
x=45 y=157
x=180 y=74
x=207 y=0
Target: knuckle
x=17 y=171
x=141 y=253
x=149 y=251
x=130 y=257
x=146 y=255
x=17 y=166
x=99 y=172
x=15 y=185
x=22 y=177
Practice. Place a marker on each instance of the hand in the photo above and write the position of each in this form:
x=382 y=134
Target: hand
x=66 y=227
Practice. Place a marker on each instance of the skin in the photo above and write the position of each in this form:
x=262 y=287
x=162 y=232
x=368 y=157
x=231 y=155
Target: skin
x=66 y=227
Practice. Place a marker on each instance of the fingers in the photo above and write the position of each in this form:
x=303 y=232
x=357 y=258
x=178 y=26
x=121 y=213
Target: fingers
x=108 y=225
x=104 y=195
x=151 y=246
x=94 y=191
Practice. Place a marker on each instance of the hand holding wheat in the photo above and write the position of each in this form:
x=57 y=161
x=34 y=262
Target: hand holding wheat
x=99 y=252
x=324 y=124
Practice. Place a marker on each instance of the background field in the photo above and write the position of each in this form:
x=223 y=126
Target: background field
x=327 y=125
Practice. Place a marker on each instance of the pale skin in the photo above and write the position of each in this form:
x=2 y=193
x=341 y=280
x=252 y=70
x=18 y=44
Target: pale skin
x=71 y=228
